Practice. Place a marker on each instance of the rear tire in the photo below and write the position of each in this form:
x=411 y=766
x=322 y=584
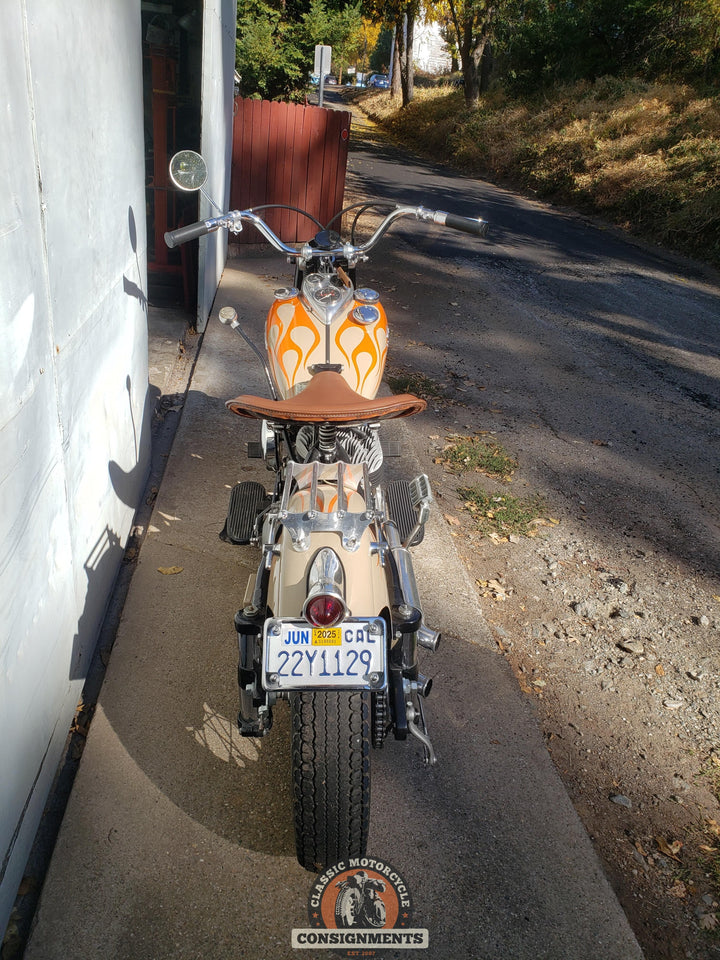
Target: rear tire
x=331 y=775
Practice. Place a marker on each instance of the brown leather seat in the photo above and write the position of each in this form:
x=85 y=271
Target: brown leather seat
x=326 y=399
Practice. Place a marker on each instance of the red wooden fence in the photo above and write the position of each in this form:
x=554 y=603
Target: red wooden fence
x=286 y=153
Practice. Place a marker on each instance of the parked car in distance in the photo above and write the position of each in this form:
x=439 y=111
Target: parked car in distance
x=381 y=80
x=330 y=78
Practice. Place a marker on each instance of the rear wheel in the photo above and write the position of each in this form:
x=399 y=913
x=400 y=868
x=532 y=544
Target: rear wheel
x=331 y=775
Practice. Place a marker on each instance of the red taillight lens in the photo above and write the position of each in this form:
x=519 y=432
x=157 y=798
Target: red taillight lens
x=324 y=611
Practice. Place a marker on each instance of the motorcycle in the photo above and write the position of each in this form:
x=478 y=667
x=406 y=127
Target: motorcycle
x=358 y=903
x=332 y=620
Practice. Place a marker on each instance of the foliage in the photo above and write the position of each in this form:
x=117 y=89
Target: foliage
x=342 y=29
x=267 y=56
x=276 y=43
x=380 y=56
x=503 y=515
x=474 y=26
x=474 y=453
x=544 y=42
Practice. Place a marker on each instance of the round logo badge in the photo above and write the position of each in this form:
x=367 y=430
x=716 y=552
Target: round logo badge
x=360 y=906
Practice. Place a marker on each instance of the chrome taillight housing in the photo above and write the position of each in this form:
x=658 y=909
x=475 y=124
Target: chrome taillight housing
x=325 y=603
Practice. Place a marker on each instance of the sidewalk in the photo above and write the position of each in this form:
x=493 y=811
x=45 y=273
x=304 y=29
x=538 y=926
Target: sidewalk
x=178 y=842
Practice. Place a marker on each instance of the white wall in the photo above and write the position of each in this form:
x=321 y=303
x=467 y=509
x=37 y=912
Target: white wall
x=218 y=72
x=73 y=371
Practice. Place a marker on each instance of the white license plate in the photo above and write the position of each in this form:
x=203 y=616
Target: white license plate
x=298 y=656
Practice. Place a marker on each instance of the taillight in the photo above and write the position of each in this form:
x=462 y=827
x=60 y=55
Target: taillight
x=325 y=605
x=325 y=610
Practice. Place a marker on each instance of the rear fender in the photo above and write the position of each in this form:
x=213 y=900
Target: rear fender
x=366 y=588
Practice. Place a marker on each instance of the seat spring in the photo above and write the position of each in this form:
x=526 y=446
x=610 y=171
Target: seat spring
x=327 y=438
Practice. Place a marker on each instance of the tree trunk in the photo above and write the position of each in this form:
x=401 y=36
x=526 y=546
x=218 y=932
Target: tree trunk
x=407 y=67
x=473 y=33
x=471 y=59
x=396 y=84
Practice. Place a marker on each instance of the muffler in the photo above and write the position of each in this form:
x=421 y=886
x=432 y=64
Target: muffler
x=426 y=637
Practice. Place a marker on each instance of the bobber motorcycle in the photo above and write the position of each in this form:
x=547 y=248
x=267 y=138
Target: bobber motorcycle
x=332 y=620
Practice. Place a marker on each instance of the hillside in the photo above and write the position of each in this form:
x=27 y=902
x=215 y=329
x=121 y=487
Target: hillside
x=645 y=156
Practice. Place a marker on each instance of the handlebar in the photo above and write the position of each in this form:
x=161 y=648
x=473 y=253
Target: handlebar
x=235 y=219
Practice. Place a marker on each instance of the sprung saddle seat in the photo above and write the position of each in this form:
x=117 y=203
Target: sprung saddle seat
x=327 y=398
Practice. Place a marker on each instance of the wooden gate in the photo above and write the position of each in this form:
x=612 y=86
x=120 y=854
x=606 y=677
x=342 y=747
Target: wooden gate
x=287 y=153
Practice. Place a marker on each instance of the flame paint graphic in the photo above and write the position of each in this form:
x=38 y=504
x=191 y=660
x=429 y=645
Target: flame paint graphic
x=293 y=338
x=326 y=496
x=364 y=348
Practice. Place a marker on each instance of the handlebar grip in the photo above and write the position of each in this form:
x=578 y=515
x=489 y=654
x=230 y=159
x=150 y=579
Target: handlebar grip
x=478 y=228
x=174 y=238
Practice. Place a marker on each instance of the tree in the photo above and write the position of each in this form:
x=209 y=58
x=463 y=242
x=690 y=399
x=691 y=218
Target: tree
x=277 y=39
x=268 y=59
x=400 y=15
x=474 y=23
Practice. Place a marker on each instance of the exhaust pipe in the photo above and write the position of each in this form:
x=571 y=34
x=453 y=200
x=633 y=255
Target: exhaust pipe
x=426 y=637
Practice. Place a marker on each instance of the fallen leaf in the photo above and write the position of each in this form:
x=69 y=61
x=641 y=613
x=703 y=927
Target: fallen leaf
x=452 y=520
x=27 y=885
x=600 y=443
x=669 y=849
x=679 y=890
x=672 y=704
x=708 y=921
x=660 y=670
x=494 y=589
x=168 y=571
x=639 y=847
x=706 y=849
x=496 y=538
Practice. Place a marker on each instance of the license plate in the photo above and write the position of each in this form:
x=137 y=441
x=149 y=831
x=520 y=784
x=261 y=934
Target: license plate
x=350 y=656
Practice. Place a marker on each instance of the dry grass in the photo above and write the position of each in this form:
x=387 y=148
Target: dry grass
x=646 y=156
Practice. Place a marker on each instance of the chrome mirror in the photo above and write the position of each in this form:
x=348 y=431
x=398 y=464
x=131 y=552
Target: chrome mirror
x=188 y=170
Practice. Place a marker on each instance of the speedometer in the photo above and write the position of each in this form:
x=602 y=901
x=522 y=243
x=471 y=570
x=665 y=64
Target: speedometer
x=326 y=295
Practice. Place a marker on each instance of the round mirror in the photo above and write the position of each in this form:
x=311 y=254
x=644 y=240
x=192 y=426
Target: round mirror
x=188 y=170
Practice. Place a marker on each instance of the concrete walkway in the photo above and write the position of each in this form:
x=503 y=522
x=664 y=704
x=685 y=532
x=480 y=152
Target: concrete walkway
x=177 y=841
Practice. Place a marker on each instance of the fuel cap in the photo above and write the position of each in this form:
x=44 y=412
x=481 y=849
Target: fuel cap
x=366 y=313
x=366 y=295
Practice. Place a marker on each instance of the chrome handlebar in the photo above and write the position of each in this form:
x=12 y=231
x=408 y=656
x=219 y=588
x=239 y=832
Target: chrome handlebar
x=234 y=220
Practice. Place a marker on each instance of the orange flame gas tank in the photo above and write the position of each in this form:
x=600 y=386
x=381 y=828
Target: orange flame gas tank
x=328 y=322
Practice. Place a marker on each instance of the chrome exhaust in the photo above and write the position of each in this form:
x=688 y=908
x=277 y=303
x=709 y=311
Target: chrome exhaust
x=426 y=637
